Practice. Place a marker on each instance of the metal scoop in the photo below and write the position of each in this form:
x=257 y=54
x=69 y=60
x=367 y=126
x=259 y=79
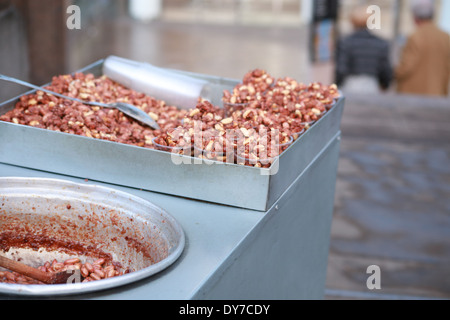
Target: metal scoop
x=126 y=108
x=48 y=278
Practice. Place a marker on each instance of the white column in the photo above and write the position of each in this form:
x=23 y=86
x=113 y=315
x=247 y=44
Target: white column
x=444 y=19
x=145 y=10
x=306 y=11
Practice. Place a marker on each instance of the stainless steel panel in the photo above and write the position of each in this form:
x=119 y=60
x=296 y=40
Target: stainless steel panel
x=286 y=255
x=109 y=162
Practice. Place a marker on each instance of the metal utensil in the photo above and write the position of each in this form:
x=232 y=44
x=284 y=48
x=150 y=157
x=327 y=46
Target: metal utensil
x=174 y=88
x=36 y=274
x=126 y=108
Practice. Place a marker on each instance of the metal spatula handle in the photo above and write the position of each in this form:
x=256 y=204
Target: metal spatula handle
x=126 y=108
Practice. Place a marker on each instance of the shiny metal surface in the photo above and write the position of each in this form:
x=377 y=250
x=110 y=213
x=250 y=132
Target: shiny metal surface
x=137 y=234
x=234 y=253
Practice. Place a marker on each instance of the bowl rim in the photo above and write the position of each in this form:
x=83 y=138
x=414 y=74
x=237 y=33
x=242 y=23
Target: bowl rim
x=69 y=188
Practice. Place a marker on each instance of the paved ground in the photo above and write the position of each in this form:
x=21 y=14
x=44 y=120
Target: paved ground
x=393 y=199
x=393 y=189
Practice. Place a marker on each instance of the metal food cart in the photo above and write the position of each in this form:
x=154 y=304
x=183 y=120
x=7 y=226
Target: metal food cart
x=249 y=234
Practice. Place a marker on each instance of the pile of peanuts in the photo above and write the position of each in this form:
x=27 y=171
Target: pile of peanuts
x=42 y=110
x=258 y=102
x=211 y=145
x=98 y=270
x=256 y=106
x=260 y=148
x=178 y=140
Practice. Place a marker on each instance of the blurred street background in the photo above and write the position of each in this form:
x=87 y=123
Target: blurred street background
x=392 y=205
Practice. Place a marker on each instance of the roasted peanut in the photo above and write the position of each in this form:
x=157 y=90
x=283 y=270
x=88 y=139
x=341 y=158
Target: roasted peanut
x=259 y=100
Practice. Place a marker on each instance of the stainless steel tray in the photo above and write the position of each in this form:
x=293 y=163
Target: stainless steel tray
x=99 y=218
x=152 y=170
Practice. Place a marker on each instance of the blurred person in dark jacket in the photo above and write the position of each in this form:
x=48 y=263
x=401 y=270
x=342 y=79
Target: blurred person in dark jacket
x=424 y=66
x=363 y=59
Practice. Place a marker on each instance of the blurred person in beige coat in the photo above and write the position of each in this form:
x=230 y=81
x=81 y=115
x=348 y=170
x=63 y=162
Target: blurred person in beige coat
x=424 y=66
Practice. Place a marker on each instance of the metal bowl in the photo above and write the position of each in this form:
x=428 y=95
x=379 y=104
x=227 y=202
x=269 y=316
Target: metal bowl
x=135 y=232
